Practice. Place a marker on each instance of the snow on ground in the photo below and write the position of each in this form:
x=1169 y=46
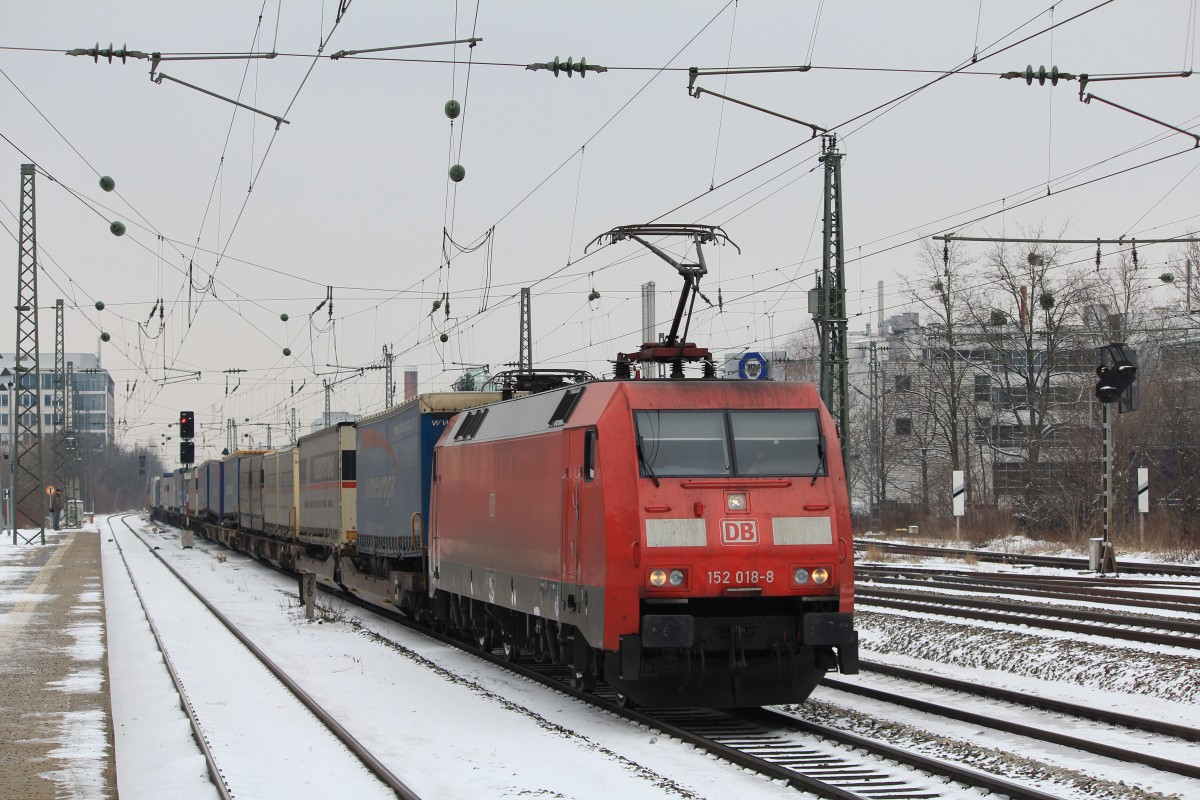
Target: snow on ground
x=446 y=723
x=1149 y=680
x=454 y=726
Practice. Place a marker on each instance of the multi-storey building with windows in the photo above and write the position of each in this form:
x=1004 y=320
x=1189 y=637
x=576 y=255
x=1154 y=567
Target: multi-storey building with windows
x=94 y=397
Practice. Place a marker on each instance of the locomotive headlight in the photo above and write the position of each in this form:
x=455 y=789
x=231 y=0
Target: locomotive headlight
x=676 y=577
x=735 y=501
x=658 y=577
x=820 y=575
x=800 y=575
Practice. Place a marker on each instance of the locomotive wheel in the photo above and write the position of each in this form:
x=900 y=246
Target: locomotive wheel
x=483 y=639
x=511 y=653
x=625 y=701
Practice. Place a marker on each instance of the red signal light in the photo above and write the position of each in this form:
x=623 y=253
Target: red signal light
x=187 y=424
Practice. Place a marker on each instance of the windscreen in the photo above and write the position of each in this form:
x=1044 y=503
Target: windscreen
x=776 y=442
x=726 y=443
x=682 y=443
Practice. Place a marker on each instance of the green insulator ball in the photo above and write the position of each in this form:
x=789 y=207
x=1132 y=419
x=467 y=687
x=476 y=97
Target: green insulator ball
x=1167 y=277
x=117 y=228
x=457 y=173
x=99 y=305
x=453 y=109
x=104 y=337
x=593 y=295
x=437 y=304
x=107 y=184
x=287 y=351
x=444 y=337
x=283 y=317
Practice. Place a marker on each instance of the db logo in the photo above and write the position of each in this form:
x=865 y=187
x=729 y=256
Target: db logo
x=739 y=531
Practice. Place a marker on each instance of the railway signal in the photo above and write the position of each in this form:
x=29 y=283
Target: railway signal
x=187 y=452
x=1115 y=373
x=187 y=425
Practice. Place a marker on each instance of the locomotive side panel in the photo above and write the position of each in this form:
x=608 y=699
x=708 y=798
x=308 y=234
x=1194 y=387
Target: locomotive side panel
x=499 y=522
x=517 y=523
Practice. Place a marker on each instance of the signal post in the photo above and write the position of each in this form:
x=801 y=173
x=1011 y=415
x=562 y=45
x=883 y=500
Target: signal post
x=1115 y=376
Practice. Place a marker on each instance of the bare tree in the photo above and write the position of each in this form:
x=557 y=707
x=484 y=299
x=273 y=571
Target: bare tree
x=1032 y=313
x=942 y=289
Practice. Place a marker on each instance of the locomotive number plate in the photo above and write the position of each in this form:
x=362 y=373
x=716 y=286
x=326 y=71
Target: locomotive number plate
x=740 y=577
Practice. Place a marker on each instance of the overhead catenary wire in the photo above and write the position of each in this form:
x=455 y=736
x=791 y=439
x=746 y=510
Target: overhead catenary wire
x=759 y=200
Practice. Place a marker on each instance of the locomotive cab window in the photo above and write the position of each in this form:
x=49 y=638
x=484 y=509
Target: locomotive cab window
x=749 y=443
x=776 y=442
x=682 y=443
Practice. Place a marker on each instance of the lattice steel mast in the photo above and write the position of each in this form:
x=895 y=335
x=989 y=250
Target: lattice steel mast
x=29 y=500
x=830 y=316
x=59 y=402
x=73 y=490
x=525 y=358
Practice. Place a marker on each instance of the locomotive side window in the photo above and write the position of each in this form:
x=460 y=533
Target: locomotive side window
x=776 y=442
x=589 y=454
x=682 y=443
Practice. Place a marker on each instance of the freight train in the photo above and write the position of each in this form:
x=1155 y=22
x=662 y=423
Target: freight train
x=686 y=541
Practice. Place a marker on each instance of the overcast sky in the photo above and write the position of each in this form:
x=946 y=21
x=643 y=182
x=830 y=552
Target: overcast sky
x=353 y=192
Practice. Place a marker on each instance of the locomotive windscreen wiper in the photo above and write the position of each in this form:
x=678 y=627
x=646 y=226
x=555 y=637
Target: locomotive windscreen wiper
x=645 y=464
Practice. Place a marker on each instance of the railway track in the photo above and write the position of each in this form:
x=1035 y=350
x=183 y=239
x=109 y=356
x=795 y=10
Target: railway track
x=815 y=758
x=1043 y=734
x=1177 y=633
x=1061 y=562
x=1097 y=713
x=807 y=756
x=1155 y=595
x=239 y=763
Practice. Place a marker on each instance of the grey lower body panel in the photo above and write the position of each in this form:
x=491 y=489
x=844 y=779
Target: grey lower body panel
x=569 y=604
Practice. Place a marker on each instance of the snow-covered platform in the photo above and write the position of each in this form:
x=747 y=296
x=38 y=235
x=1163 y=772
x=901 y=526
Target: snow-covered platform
x=55 y=712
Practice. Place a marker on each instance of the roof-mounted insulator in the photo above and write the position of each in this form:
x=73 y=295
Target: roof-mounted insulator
x=569 y=66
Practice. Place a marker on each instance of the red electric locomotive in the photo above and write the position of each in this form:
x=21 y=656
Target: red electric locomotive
x=687 y=541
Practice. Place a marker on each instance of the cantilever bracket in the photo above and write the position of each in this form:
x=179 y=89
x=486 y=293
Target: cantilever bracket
x=1089 y=97
x=159 y=79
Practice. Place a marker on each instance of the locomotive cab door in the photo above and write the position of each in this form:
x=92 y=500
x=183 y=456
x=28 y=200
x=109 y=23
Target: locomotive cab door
x=579 y=474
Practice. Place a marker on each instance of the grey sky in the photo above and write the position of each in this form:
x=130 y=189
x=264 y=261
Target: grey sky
x=353 y=192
